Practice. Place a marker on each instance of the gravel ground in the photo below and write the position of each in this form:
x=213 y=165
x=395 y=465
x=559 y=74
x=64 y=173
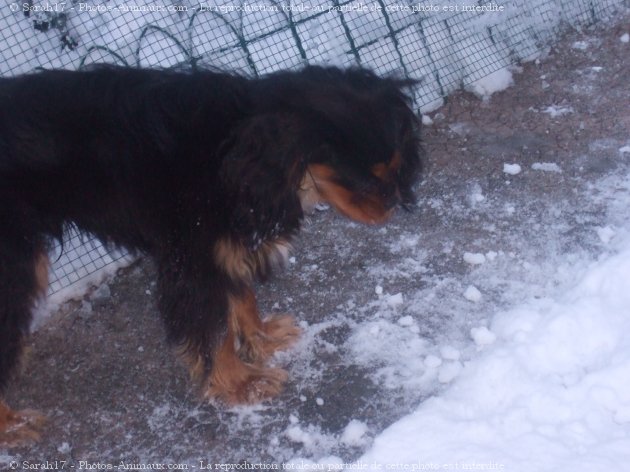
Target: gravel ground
x=113 y=391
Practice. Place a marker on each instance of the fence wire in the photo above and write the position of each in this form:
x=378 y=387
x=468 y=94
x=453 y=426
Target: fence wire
x=447 y=45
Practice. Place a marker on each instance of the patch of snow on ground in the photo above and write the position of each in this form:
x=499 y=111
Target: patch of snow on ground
x=551 y=391
x=492 y=83
x=546 y=167
x=545 y=386
x=556 y=110
x=385 y=346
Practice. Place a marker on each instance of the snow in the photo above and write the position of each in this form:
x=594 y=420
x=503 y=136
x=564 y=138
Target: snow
x=550 y=393
x=625 y=38
x=605 y=234
x=482 y=336
x=546 y=167
x=474 y=258
x=492 y=83
x=547 y=386
x=395 y=300
x=449 y=371
x=432 y=361
x=354 y=433
x=548 y=389
x=472 y=293
x=557 y=110
x=450 y=353
x=511 y=169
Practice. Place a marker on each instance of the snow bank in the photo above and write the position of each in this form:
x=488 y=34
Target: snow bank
x=551 y=393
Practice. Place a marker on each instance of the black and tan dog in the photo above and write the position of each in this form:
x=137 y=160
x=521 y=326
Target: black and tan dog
x=209 y=174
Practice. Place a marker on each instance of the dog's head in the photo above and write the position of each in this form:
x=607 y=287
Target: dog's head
x=344 y=137
x=368 y=147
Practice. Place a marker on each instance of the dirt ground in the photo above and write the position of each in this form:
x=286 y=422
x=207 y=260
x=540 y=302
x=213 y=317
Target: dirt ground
x=112 y=390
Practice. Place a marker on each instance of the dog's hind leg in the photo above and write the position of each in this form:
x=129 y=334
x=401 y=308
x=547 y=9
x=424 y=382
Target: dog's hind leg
x=23 y=278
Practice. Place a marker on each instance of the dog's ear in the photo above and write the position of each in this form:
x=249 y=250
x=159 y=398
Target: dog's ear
x=262 y=168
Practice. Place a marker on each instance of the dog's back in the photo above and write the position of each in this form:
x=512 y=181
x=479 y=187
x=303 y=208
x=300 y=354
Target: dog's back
x=72 y=145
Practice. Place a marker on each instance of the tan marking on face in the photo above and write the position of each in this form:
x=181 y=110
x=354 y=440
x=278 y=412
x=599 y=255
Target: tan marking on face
x=365 y=209
x=308 y=194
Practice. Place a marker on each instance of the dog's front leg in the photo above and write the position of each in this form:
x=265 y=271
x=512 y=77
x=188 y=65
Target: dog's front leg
x=239 y=372
x=215 y=323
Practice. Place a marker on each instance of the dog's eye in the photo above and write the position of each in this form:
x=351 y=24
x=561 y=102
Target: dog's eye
x=388 y=170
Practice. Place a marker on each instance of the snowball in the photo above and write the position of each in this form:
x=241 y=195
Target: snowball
x=319 y=401
x=426 y=120
x=406 y=321
x=298 y=435
x=625 y=38
x=511 y=169
x=395 y=300
x=474 y=258
x=472 y=294
x=378 y=290
x=482 y=336
x=432 y=361
x=605 y=234
x=625 y=149
x=354 y=433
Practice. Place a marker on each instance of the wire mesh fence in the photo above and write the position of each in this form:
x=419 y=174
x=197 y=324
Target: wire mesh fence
x=447 y=45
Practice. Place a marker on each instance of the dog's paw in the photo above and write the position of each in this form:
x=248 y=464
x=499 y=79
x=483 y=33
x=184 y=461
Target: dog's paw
x=248 y=384
x=19 y=428
x=280 y=333
x=275 y=333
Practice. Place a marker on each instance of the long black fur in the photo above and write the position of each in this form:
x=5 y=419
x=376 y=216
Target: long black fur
x=166 y=163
